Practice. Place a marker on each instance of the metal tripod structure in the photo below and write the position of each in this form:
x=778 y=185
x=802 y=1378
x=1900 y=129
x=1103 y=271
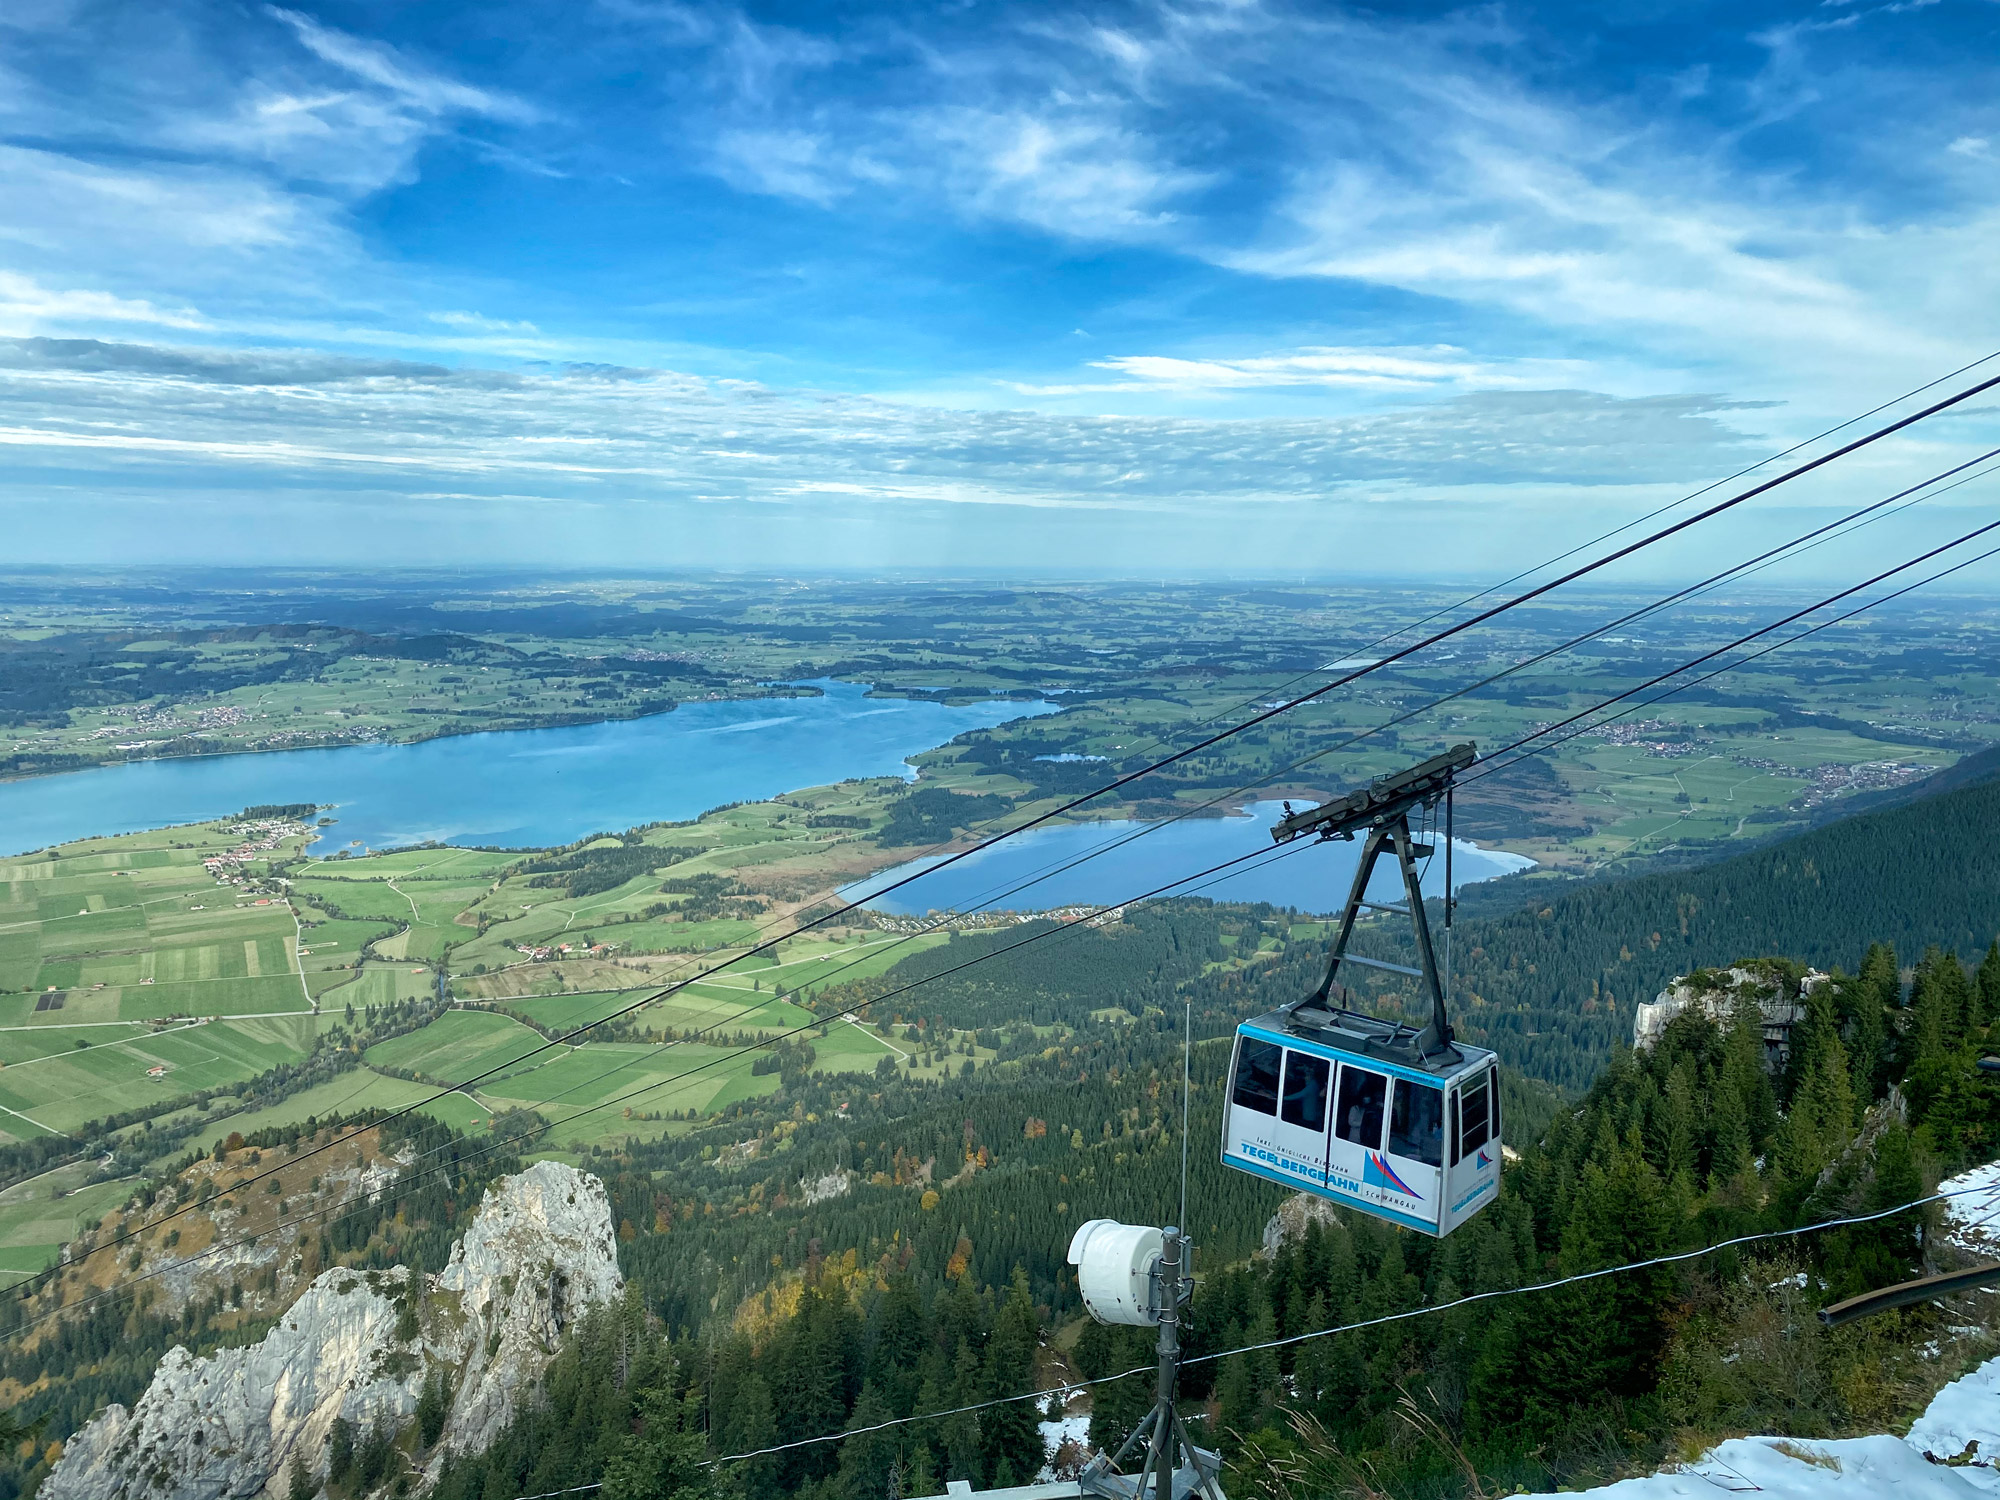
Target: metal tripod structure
x=1383 y=809
x=1164 y=1476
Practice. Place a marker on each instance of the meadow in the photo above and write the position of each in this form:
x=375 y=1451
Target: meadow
x=133 y=977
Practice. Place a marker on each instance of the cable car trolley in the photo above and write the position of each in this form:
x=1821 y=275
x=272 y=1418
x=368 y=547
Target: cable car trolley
x=1397 y=1121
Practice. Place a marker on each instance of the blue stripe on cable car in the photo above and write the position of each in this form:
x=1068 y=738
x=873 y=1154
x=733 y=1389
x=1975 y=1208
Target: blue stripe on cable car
x=1326 y=1190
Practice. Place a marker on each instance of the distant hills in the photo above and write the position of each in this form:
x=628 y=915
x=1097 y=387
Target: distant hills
x=1563 y=973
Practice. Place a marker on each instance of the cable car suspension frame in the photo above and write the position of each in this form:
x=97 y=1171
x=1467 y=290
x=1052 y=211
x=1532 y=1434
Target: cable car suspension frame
x=1381 y=812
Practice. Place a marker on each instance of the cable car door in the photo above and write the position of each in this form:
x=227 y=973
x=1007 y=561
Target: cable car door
x=1472 y=1134
x=1278 y=1109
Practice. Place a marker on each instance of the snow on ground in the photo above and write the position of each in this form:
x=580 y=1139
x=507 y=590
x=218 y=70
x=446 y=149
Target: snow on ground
x=1972 y=1218
x=1055 y=1434
x=1965 y=1411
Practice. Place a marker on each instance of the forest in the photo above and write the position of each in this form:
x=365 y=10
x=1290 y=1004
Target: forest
x=923 y=1270
x=1682 y=1146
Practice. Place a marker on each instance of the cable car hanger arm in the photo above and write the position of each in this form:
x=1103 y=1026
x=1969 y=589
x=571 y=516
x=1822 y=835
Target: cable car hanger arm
x=1383 y=808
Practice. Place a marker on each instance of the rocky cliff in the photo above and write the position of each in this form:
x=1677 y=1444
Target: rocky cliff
x=361 y=1346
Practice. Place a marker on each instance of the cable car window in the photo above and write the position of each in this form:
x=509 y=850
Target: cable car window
x=1493 y=1082
x=1257 y=1076
x=1362 y=1096
x=1416 y=1124
x=1306 y=1080
x=1478 y=1119
x=1452 y=1134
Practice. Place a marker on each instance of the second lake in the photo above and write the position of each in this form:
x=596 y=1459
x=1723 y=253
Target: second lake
x=1036 y=871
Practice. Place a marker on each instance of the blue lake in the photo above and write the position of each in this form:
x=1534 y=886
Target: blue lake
x=1026 y=873
x=525 y=787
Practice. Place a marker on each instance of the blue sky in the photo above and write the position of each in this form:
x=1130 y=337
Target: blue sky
x=1133 y=287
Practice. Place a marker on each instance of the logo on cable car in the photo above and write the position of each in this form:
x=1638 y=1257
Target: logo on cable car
x=1376 y=1172
x=1485 y=1161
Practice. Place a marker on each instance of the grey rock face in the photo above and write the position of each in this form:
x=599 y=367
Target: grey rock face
x=539 y=1254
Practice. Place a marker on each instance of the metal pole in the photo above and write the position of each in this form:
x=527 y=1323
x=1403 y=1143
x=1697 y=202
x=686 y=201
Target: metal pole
x=1187 y=1068
x=1450 y=899
x=1162 y=1461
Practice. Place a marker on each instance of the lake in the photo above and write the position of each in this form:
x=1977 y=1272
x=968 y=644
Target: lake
x=1308 y=875
x=519 y=787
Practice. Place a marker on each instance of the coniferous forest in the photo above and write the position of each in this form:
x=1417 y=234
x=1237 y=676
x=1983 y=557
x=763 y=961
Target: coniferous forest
x=1687 y=1144
x=848 y=1252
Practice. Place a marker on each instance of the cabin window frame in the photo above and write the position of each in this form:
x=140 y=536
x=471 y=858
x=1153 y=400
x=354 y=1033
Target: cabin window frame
x=1310 y=1061
x=1476 y=1119
x=1407 y=1088
x=1239 y=1097
x=1343 y=1105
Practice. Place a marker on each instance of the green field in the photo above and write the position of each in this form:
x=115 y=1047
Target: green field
x=106 y=934
x=63 y=1090
x=40 y=1216
x=458 y=1045
x=350 y=1093
x=380 y=983
x=625 y=1076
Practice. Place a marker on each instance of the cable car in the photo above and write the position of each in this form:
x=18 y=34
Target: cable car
x=1388 y=1119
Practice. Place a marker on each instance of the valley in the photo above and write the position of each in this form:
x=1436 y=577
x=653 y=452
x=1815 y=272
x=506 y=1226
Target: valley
x=811 y=1132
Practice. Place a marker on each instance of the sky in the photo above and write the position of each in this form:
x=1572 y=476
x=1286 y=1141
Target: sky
x=1132 y=288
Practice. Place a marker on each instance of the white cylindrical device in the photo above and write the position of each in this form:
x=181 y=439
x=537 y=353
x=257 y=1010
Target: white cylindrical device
x=1115 y=1271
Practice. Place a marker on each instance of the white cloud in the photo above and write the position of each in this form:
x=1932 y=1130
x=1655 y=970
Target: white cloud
x=1416 y=155
x=27 y=307
x=479 y=323
x=418 y=87
x=1436 y=369
x=297 y=417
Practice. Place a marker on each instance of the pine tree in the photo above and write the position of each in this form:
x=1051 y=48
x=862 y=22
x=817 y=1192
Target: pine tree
x=371 y=1463
x=298 y=1482
x=867 y=1458
x=747 y=1424
x=1675 y=1123
x=339 y=1450
x=1008 y=1433
x=659 y=1461
x=1989 y=986
x=1880 y=973
x=1940 y=1002
x=433 y=1407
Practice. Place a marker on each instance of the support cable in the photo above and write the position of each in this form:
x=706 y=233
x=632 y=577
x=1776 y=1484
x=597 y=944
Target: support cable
x=1753 y=635
x=1501 y=770
x=1812 y=536
x=1365 y=1323
x=1601 y=537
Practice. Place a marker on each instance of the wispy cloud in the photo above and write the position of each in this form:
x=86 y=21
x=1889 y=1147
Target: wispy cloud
x=1440 y=369
x=26 y=306
x=301 y=417
x=1423 y=160
x=417 y=87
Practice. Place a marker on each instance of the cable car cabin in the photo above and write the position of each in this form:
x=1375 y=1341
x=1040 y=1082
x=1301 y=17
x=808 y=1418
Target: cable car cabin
x=1414 y=1142
x=1397 y=1121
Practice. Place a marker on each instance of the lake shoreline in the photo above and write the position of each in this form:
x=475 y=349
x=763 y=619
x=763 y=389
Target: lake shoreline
x=507 y=726
x=538 y=788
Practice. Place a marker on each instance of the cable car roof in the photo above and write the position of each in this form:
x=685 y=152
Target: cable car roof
x=1286 y=1029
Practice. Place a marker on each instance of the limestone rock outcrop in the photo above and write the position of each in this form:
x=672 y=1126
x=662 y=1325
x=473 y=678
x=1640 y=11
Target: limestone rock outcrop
x=361 y=1345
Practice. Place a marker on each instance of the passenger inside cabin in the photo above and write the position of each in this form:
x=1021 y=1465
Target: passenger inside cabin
x=1416 y=1124
x=1362 y=1096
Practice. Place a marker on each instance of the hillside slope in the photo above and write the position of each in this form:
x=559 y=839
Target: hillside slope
x=1917 y=1467
x=371 y=1349
x=1927 y=873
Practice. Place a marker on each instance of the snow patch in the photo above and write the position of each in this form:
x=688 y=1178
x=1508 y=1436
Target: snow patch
x=1966 y=1411
x=1972 y=1216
